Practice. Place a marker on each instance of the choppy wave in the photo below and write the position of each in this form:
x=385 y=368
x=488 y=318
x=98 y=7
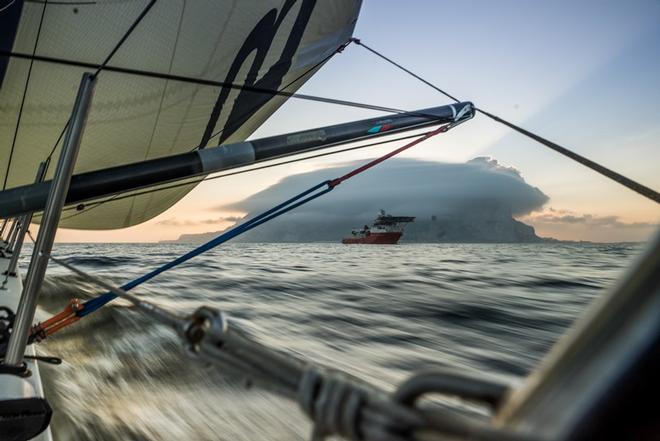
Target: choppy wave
x=379 y=312
x=102 y=261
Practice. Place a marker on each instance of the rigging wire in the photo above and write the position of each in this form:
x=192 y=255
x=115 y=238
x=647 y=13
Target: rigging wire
x=120 y=196
x=359 y=43
x=249 y=113
x=103 y=65
x=25 y=89
x=598 y=168
x=213 y=83
x=121 y=41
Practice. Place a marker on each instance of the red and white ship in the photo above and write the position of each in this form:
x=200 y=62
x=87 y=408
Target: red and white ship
x=385 y=230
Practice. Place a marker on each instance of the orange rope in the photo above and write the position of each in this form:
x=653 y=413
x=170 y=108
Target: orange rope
x=48 y=327
x=53 y=329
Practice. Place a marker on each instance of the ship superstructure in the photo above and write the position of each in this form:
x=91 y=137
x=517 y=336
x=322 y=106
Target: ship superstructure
x=386 y=229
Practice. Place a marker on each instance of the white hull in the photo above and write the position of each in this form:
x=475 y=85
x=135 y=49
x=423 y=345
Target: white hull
x=8 y=383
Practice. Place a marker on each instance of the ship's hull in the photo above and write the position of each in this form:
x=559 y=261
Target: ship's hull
x=375 y=239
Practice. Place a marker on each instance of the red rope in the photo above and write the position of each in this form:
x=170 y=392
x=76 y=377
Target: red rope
x=377 y=161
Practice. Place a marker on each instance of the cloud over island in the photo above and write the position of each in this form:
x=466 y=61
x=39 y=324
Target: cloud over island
x=471 y=201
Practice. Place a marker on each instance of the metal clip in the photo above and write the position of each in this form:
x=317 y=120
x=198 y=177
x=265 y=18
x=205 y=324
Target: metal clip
x=202 y=322
x=466 y=113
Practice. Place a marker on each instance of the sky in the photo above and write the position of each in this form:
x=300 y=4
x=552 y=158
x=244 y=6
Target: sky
x=583 y=74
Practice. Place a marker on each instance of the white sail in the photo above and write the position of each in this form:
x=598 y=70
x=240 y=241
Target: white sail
x=261 y=43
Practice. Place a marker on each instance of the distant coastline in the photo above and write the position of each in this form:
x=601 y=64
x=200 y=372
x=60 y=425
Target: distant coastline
x=494 y=228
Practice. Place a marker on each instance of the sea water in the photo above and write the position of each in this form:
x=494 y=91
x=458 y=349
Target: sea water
x=378 y=312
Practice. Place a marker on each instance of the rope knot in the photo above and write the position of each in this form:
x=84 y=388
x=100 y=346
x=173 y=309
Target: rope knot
x=332 y=402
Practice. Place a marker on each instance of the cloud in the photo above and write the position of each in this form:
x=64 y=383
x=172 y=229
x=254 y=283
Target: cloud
x=406 y=184
x=231 y=218
x=555 y=216
x=570 y=225
x=481 y=191
x=492 y=164
x=192 y=223
x=174 y=223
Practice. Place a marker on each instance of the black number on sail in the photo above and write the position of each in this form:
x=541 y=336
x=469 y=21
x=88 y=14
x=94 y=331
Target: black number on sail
x=259 y=41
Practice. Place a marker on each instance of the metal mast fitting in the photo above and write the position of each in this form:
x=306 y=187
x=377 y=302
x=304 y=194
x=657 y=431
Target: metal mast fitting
x=56 y=196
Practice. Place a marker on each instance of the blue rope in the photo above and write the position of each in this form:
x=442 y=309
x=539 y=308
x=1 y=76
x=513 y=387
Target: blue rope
x=296 y=201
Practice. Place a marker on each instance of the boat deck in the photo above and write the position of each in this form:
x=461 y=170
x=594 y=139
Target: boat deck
x=10 y=297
